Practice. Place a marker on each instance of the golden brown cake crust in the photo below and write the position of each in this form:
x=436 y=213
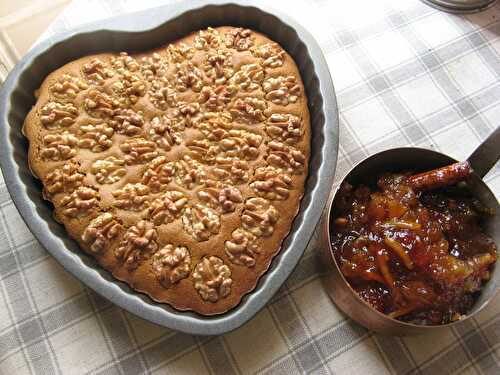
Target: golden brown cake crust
x=181 y=169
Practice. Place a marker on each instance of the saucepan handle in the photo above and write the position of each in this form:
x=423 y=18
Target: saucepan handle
x=487 y=154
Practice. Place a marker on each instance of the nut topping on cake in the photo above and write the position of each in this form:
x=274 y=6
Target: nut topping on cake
x=101 y=231
x=128 y=122
x=201 y=222
x=138 y=243
x=271 y=183
x=171 y=264
x=63 y=180
x=240 y=39
x=271 y=53
x=220 y=197
x=67 y=87
x=212 y=279
x=108 y=170
x=80 y=202
x=58 y=147
x=285 y=128
x=168 y=207
x=97 y=138
x=163 y=132
x=259 y=217
x=248 y=78
x=249 y=110
x=96 y=71
x=100 y=105
x=138 y=150
x=282 y=90
x=209 y=38
x=241 y=248
x=285 y=157
x=56 y=116
x=132 y=197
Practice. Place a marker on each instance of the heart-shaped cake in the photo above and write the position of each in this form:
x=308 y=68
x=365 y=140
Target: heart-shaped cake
x=180 y=169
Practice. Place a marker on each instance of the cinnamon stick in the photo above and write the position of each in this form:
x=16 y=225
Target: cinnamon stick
x=440 y=177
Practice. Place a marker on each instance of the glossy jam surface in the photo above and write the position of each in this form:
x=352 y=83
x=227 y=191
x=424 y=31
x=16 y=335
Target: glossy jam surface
x=420 y=257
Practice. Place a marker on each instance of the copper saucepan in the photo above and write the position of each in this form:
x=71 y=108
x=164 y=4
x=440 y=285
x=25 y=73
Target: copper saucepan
x=416 y=159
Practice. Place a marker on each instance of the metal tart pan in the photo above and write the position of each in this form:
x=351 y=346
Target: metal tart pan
x=143 y=31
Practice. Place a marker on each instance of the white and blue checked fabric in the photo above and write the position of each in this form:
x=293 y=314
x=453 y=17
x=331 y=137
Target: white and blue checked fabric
x=405 y=74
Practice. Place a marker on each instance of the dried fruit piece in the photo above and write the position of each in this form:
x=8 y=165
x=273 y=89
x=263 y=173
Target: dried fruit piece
x=212 y=279
x=241 y=248
x=138 y=150
x=218 y=196
x=55 y=116
x=248 y=78
x=200 y=222
x=178 y=53
x=124 y=62
x=209 y=38
x=285 y=157
x=271 y=183
x=96 y=71
x=97 y=138
x=171 y=264
x=284 y=127
x=127 y=121
x=153 y=66
x=188 y=76
x=62 y=180
x=67 y=87
x=138 y=243
x=164 y=132
x=271 y=54
x=168 y=207
x=132 y=197
x=58 y=147
x=239 y=39
x=249 y=110
x=231 y=171
x=100 y=105
x=101 y=231
x=159 y=173
x=259 y=217
x=109 y=170
x=80 y=202
x=282 y=90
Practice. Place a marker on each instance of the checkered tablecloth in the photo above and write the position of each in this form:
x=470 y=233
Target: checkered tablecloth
x=405 y=74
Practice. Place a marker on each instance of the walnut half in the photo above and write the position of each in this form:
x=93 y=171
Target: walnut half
x=171 y=264
x=168 y=207
x=259 y=217
x=241 y=248
x=109 y=170
x=271 y=183
x=58 y=147
x=201 y=222
x=100 y=232
x=56 y=116
x=132 y=197
x=138 y=243
x=80 y=202
x=212 y=279
x=63 y=180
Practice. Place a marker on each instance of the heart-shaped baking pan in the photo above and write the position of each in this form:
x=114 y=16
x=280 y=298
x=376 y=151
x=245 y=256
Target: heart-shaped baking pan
x=143 y=31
